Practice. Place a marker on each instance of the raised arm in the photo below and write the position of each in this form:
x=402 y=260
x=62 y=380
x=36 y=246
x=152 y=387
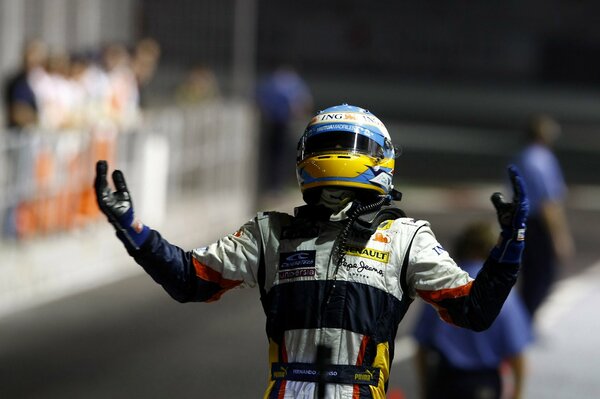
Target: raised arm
x=475 y=304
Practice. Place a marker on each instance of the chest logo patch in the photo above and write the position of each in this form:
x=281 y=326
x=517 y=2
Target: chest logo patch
x=369 y=253
x=297 y=259
x=297 y=264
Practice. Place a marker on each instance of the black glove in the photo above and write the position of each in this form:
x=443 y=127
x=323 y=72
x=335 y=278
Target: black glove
x=512 y=217
x=118 y=207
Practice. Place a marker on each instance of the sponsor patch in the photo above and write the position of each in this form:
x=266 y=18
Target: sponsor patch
x=361 y=268
x=350 y=117
x=385 y=225
x=369 y=253
x=380 y=237
x=297 y=260
x=285 y=274
x=297 y=264
x=438 y=249
x=382 y=178
x=137 y=226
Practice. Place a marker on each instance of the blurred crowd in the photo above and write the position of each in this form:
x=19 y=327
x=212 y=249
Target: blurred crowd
x=55 y=90
x=64 y=111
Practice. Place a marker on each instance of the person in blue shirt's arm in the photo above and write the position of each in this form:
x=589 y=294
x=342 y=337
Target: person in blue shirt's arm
x=458 y=363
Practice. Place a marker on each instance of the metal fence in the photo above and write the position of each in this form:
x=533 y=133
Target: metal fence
x=191 y=172
x=46 y=177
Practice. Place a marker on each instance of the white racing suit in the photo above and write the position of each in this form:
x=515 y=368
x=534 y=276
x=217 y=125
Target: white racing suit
x=352 y=311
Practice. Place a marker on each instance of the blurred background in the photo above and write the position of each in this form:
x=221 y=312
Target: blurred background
x=201 y=103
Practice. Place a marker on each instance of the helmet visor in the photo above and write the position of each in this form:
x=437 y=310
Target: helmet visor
x=344 y=142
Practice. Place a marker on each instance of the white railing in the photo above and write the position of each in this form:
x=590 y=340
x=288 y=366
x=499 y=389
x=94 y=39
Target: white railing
x=46 y=177
x=191 y=172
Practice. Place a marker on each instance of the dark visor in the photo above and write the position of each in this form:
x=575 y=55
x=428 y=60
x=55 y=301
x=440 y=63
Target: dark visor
x=344 y=142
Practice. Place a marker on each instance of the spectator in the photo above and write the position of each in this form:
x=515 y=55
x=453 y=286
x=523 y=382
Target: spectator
x=20 y=99
x=144 y=63
x=459 y=363
x=22 y=112
x=283 y=98
x=122 y=91
x=199 y=85
x=54 y=92
x=95 y=83
x=81 y=96
x=548 y=239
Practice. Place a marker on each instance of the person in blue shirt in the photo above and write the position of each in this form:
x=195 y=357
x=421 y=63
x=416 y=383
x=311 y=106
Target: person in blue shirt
x=284 y=99
x=548 y=242
x=19 y=97
x=458 y=363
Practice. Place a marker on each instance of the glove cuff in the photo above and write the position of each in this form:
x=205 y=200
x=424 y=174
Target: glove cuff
x=133 y=232
x=517 y=234
x=509 y=249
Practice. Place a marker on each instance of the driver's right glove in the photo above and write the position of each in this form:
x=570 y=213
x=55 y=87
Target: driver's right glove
x=512 y=217
x=118 y=207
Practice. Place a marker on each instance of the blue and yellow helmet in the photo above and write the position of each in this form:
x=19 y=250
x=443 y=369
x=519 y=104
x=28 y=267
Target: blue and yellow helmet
x=346 y=146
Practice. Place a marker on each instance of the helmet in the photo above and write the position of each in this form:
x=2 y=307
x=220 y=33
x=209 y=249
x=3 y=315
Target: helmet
x=345 y=146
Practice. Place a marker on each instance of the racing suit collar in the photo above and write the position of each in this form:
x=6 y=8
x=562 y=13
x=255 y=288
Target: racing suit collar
x=338 y=201
x=334 y=205
x=335 y=199
x=321 y=213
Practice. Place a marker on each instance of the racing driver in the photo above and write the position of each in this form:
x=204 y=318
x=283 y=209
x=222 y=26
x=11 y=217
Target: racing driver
x=337 y=277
